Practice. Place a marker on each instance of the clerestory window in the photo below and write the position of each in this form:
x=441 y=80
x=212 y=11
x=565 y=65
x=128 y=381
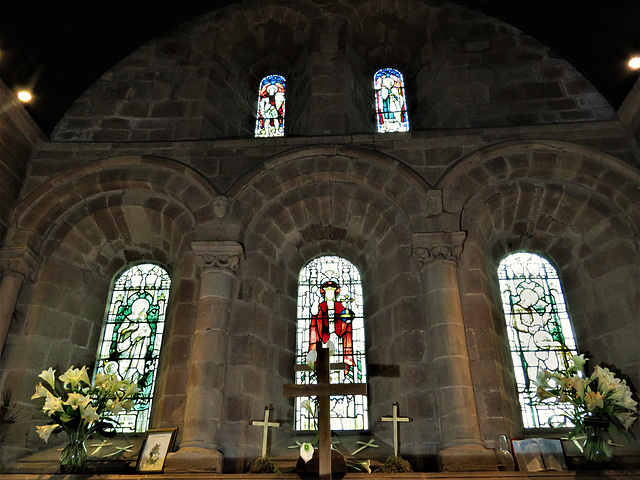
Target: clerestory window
x=271 y=103
x=539 y=330
x=391 y=102
x=132 y=336
x=330 y=309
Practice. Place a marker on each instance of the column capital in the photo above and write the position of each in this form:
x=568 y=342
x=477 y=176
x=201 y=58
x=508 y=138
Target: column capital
x=18 y=261
x=218 y=255
x=429 y=247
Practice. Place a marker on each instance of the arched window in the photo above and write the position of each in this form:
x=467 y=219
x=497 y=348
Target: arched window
x=391 y=102
x=330 y=308
x=539 y=329
x=132 y=336
x=270 y=116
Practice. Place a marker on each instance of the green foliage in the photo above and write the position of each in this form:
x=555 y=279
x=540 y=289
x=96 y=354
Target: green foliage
x=394 y=464
x=264 y=465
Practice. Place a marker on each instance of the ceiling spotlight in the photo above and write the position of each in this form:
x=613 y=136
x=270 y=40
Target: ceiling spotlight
x=634 y=63
x=24 y=96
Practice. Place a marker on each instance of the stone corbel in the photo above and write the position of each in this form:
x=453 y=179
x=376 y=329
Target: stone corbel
x=429 y=247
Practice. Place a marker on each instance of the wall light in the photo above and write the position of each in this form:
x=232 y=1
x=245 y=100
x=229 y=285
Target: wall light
x=634 y=63
x=24 y=96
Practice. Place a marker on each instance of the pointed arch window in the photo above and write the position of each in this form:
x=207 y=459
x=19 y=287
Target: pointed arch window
x=271 y=103
x=539 y=329
x=330 y=308
x=132 y=336
x=391 y=102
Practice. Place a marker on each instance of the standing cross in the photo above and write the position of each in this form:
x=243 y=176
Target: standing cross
x=265 y=429
x=395 y=419
x=324 y=389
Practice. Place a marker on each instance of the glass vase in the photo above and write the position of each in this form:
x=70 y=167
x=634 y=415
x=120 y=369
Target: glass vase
x=74 y=455
x=596 y=447
x=503 y=454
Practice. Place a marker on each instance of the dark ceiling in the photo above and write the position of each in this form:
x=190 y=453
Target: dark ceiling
x=58 y=48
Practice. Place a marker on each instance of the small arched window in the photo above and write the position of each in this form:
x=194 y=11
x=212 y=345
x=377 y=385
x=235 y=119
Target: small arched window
x=330 y=308
x=271 y=99
x=132 y=336
x=391 y=102
x=539 y=330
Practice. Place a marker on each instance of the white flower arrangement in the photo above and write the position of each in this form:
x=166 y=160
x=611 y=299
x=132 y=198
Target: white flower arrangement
x=81 y=407
x=601 y=396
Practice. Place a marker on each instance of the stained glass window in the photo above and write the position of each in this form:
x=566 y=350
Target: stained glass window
x=330 y=309
x=132 y=337
x=270 y=116
x=391 y=103
x=539 y=329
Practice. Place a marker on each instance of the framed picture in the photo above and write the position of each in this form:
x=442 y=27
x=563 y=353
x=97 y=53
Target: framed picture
x=156 y=445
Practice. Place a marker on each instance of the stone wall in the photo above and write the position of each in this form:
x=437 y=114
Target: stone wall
x=19 y=136
x=462 y=70
x=505 y=150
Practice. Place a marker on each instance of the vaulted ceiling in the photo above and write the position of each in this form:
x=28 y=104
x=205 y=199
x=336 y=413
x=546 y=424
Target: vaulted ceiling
x=59 y=48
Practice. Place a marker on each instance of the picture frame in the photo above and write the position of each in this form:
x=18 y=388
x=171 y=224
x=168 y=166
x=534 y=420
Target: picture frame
x=155 y=447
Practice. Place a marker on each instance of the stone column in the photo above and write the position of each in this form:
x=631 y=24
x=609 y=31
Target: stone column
x=462 y=448
x=16 y=264
x=198 y=452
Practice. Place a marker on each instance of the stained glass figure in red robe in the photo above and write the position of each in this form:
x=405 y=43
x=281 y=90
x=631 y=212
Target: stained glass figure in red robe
x=333 y=311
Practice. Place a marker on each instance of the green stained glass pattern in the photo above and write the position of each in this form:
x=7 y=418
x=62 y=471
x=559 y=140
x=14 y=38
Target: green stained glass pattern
x=330 y=290
x=539 y=330
x=132 y=337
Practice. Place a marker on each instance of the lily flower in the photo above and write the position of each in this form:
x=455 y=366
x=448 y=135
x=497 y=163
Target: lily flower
x=75 y=400
x=90 y=414
x=593 y=400
x=312 y=356
x=45 y=431
x=578 y=362
x=49 y=376
x=52 y=404
x=41 y=392
x=306 y=452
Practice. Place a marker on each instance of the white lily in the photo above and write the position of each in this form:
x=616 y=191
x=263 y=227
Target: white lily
x=45 y=431
x=41 y=392
x=49 y=376
x=52 y=404
x=306 y=452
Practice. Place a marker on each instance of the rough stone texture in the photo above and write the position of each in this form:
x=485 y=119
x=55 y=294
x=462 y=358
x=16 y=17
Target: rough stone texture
x=508 y=143
x=19 y=136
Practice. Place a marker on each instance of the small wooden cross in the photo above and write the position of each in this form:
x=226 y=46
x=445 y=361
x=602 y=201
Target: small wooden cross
x=395 y=419
x=265 y=429
x=324 y=389
x=370 y=443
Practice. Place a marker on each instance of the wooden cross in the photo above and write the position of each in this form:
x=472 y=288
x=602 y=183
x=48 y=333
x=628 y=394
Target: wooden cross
x=324 y=389
x=395 y=419
x=265 y=429
x=370 y=443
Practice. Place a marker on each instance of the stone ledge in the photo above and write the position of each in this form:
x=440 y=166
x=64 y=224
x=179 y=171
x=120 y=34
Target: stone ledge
x=571 y=475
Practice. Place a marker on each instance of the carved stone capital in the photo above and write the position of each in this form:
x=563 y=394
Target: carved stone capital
x=224 y=255
x=429 y=247
x=18 y=261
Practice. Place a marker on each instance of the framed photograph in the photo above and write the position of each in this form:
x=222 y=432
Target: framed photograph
x=155 y=447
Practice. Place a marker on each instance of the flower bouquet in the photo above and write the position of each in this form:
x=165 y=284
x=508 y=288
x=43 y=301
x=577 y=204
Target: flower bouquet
x=592 y=404
x=81 y=408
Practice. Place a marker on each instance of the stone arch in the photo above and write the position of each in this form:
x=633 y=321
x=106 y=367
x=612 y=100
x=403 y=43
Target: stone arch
x=328 y=200
x=159 y=184
x=575 y=206
x=85 y=225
